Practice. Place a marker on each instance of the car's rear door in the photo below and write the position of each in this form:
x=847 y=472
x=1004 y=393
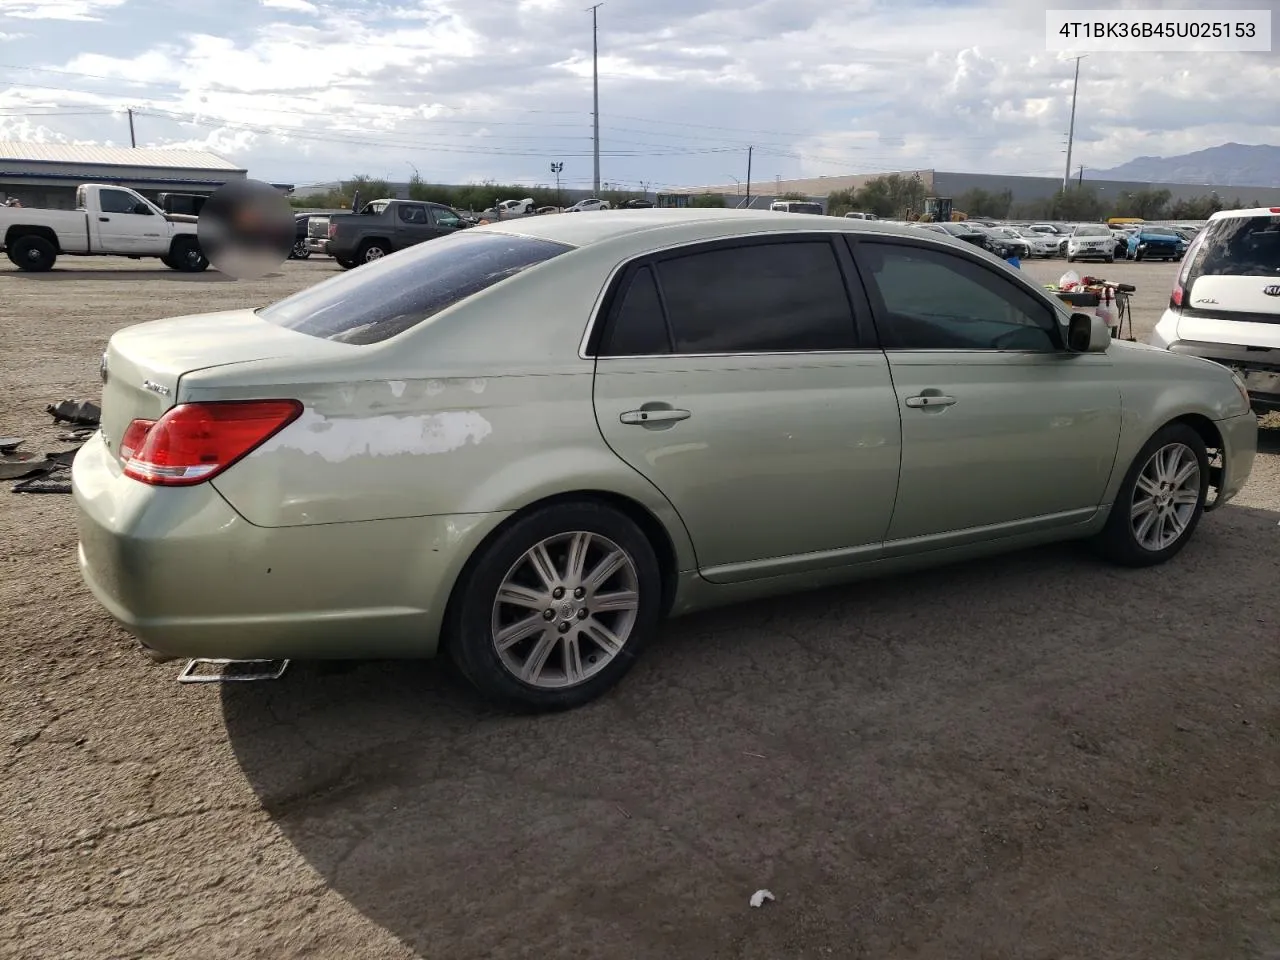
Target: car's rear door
x=735 y=377
x=412 y=225
x=1003 y=430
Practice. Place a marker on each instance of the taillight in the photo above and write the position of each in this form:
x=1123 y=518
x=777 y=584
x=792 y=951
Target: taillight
x=1178 y=293
x=333 y=230
x=194 y=442
x=134 y=434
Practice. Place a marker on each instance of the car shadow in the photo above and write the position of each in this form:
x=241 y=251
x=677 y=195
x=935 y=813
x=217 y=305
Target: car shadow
x=856 y=750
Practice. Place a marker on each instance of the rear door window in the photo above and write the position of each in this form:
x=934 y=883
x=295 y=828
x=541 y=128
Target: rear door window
x=387 y=297
x=761 y=298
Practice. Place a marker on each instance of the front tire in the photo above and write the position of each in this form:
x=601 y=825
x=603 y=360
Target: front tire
x=346 y=264
x=33 y=254
x=1161 y=500
x=556 y=609
x=186 y=256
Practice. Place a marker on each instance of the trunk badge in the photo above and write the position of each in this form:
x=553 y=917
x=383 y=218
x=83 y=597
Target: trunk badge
x=154 y=387
x=1273 y=290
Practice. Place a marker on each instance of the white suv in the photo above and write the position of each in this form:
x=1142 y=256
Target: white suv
x=1091 y=241
x=1225 y=304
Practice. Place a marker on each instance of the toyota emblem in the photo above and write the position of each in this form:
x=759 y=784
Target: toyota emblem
x=1273 y=290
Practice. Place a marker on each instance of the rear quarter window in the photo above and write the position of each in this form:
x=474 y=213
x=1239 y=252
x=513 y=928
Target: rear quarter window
x=377 y=301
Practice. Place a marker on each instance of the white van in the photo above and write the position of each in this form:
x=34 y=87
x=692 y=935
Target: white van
x=1225 y=304
x=796 y=206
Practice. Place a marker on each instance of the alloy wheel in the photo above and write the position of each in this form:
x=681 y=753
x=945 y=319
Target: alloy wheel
x=1165 y=497
x=565 y=609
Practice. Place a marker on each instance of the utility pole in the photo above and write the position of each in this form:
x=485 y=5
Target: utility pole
x=557 y=168
x=1080 y=180
x=595 y=94
x=750 y=150
x=133 y=141
x=1071 y=132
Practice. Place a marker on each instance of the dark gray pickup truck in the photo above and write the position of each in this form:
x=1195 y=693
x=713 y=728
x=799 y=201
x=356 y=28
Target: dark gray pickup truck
x=385 y=226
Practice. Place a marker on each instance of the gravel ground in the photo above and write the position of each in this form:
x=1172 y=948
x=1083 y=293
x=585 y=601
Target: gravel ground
x=1033 y=757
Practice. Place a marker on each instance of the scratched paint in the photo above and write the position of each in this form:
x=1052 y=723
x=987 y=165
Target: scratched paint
x=389 y=435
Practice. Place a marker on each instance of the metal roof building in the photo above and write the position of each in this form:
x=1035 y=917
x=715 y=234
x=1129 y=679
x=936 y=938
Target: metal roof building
x=47 y=174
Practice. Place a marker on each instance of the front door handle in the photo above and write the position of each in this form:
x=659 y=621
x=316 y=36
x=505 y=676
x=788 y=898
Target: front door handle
x=105 y=219
x=930 y=400
x=654 y=415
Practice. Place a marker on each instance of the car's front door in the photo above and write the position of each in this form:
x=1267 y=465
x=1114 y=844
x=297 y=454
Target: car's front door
x=126 y=226
x=445 y=221
x=735 y=377
x=1003 y=430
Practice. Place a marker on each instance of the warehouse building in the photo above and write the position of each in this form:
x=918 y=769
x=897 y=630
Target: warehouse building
x=943 y=183
x=47 y=174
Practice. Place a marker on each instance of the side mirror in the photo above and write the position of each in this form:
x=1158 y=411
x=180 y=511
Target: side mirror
x=1088 y=333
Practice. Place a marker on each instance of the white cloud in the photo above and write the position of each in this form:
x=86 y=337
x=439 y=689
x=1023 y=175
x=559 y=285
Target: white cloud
x=299 y=6
x=491 y=88
x=57 y=9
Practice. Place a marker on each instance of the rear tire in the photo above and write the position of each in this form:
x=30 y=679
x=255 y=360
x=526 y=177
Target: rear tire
x=561 y=649
x=33 y=254
x=300 y=250
x=1161 y=500
x=372 y=250
x=346 y=264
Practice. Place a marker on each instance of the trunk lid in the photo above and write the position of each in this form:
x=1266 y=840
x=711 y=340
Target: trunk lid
x=143 y=364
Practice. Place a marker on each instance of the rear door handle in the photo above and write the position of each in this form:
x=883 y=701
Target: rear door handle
x=105 y=219
x=657 y=415
x=930 y=400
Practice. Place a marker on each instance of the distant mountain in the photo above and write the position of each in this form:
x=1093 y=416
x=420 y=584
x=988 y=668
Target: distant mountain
x=1228 y=165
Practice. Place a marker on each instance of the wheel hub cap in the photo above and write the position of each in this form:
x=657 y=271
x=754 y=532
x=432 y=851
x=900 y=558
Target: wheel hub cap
x=565 y=610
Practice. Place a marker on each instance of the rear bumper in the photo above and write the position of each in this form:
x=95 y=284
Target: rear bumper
x=189 y=577
x=316 y=245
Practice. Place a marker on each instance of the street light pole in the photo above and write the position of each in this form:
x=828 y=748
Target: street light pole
x=1071 y=132
x=595 y=94
x=557 y=168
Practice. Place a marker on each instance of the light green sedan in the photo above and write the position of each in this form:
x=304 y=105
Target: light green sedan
x=527 y=443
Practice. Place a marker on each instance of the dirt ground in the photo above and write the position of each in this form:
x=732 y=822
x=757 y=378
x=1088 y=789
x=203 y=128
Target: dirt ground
x=1034 y=757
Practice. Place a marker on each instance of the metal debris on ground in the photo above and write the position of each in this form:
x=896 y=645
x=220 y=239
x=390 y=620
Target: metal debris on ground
x=228 y=672
x=759 y=897
x=9 y=444
x=83 y=413
x=52 y=478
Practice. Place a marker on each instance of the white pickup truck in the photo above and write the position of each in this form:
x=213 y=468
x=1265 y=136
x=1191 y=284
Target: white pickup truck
x=108 y=221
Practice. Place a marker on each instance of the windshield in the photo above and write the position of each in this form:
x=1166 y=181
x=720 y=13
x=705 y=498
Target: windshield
x=381 y=299
x=1091 y=230
x=1240 y=247
x=1158 y=232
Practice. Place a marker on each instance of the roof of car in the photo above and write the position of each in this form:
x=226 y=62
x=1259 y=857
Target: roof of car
x=599 y=227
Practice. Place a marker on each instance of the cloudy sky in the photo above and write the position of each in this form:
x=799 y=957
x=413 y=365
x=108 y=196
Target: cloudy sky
x=304 y=91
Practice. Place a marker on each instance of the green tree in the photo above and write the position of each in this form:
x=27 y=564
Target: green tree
x=791 y=195
x=983 y=203
x=1147 y=203
x=1075 y=203
x=707 y=200
x=1196 y=208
